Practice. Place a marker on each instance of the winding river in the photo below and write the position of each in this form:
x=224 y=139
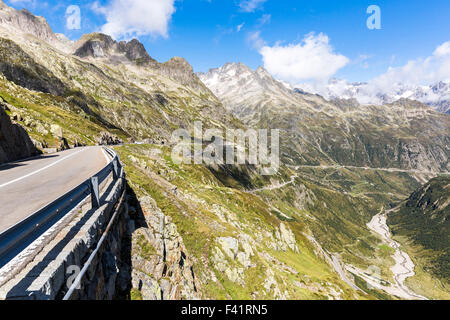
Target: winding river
x=404 y=266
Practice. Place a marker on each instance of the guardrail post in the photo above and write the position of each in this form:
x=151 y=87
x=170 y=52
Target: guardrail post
x=115 y=169
x=95 y=198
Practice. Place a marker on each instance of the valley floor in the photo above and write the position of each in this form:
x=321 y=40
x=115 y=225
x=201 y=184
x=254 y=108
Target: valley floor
x=404 y=266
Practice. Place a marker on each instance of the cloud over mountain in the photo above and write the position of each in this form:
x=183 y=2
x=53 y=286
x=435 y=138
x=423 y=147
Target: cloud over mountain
x=419 y=71
x=313 y=59
x=425 y=80
x=129 y=18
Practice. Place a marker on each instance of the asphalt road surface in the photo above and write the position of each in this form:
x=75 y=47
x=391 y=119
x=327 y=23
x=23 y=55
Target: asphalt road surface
x=29 y=185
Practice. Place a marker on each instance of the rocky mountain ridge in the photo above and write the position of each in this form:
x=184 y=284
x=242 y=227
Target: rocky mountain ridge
x=97 y=45
x=142 y=97
x=24 y=22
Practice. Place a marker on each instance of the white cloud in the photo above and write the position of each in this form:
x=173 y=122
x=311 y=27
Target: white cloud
x=128 y=18
x=21 y=1
x=395 y=83
x=250 y=5
x=255 y=40
x=239 y=27
x=311 y=60
x=442 y=50
x=264 y=19
x=433 y=69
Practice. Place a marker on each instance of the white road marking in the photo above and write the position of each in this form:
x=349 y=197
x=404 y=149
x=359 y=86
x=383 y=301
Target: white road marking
x=40 y=170
x=106 y=156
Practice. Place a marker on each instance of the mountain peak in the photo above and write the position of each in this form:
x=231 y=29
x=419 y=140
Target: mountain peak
x=24 y=22
x=233 y=73
x=134 y=50
x=181 y=71
x=238 y=86
x=99 y=45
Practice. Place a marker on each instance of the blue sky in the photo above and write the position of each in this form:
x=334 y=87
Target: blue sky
x=207 y=32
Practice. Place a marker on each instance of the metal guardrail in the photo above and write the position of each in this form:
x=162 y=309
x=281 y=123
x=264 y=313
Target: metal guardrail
x=18 y=236
x=77 y=283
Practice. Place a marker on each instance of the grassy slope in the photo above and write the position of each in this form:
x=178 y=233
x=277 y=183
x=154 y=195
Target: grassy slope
x=192 y=209
x=46 y=110
x=422 y=225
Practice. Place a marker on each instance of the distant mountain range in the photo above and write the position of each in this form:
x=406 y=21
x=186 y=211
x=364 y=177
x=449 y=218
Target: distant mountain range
x=335 y=130
x=436 y=96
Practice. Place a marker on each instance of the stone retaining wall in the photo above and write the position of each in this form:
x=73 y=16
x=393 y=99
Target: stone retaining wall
x=49 y=275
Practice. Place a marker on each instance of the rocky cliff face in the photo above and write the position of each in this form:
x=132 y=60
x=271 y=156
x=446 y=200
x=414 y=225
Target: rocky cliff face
x=181 y=71
x=160 y=263
x=15 y=143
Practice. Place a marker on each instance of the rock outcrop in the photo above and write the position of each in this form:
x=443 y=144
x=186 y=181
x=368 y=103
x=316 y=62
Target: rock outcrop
x=15 y=143
x=181 y=71
x=161 y=266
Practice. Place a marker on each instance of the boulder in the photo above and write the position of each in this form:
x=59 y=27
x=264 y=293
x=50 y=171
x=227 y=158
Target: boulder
x=287 y=236
x=56 y=130
x=15 y=144
x=41 y=129
x=62 y=144
x=108 y=139
x=230 y=246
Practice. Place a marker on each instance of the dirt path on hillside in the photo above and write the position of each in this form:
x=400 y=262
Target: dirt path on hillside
x=275 y=186
x=372 y=169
